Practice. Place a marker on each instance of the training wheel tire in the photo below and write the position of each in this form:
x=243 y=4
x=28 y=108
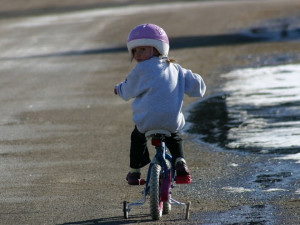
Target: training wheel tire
x=187 y=212
x=125 y=210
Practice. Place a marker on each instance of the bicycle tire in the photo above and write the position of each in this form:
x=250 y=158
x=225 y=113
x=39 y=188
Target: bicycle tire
x=155 y=203
x=125 y=210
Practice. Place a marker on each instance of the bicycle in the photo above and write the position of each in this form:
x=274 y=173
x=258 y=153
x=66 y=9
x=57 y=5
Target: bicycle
x=159 y=182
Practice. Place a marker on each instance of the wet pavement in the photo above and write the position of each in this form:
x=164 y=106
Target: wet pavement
x=256 y=113
x=59 y=120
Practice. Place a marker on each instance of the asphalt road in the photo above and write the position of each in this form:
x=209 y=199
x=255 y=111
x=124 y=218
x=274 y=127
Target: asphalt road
x=64 y=136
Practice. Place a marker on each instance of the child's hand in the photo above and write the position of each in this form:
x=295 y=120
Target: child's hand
x=115 y=91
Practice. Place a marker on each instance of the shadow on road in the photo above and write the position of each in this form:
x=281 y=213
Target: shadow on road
x=113 y=220
x=279 y=32
x=175 y=43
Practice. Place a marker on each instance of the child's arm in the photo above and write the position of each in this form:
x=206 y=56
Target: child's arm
x=123 y=90
x=131 y=87
x=194 y=84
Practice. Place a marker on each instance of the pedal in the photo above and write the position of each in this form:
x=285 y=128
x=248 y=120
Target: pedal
x=185 y=179
x=137 y=182
x=142 y=182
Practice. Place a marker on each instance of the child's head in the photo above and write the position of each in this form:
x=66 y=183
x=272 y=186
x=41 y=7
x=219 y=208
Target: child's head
x=148 y=39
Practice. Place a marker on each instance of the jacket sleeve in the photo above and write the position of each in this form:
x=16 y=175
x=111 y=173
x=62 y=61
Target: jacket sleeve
x=129 y=88
x=194 y=84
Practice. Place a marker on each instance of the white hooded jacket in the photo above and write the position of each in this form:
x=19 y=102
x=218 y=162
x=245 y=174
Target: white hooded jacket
x=158 y=88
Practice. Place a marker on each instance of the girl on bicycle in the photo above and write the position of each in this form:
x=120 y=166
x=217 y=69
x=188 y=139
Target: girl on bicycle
x=157 y=85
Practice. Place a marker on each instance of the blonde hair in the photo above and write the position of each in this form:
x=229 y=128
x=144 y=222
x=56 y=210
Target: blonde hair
x=170 y=60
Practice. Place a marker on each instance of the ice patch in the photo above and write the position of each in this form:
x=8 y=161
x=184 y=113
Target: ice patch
x=257 y=110
x=237 y=189
x=234 y=164
x=263 y=106
x=274 y=189
x=291 y=157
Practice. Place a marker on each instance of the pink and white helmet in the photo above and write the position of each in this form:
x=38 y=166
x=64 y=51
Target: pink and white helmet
x=148 y=35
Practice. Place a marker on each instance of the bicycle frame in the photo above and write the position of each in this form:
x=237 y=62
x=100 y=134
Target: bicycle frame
x=161 y=157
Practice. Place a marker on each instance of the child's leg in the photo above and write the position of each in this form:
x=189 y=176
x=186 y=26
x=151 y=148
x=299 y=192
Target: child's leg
x=175 y=146
x=139 y=154
x=139 y=157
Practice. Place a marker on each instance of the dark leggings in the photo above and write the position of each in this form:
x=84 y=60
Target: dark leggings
x=139 y=154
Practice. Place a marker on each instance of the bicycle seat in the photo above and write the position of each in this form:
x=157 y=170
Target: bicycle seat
x=151 y=133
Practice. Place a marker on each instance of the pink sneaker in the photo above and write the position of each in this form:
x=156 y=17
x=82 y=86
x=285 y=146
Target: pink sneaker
x=182 y=173
x=135 y=179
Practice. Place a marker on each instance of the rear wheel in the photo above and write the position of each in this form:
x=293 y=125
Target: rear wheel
x=155 y=202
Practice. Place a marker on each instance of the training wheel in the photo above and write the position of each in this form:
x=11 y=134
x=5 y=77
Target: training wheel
x=187 y=212
x=125 y=210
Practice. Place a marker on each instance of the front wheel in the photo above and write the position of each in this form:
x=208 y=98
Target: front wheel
x=155 y=202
